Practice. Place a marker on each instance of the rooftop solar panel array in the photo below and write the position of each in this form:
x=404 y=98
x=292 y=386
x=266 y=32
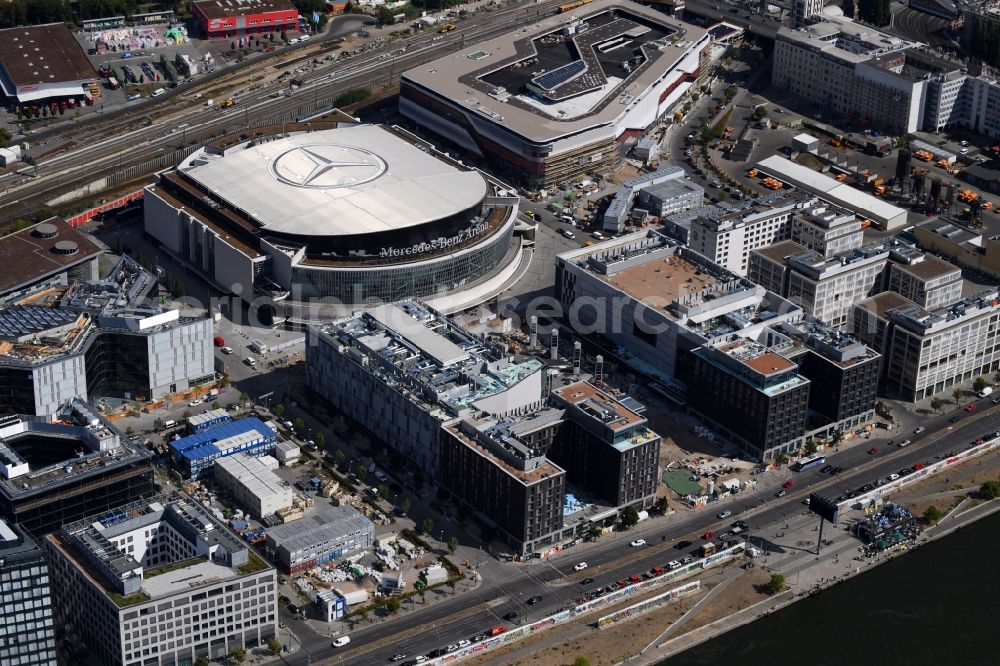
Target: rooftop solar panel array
x=558 y=77
x=19 y=321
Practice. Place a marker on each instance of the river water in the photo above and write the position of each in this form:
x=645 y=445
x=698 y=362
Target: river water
x=936 y=606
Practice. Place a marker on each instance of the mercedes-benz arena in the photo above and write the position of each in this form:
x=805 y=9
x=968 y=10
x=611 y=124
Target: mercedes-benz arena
x=348 y=215
x=558 y=99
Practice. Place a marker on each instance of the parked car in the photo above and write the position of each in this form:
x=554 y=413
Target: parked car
x=681 y=545
x=226 y=350
x=566 y=233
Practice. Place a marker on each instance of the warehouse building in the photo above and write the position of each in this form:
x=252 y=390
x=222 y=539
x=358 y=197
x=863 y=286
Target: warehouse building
x=329 y=534
x=41 y=64
x=159 y=581
x=562 y=97
x=883 y=214
x=253 y=485
x=26 y=622
x=55 y=471
x=196 y=454
x=237 y=18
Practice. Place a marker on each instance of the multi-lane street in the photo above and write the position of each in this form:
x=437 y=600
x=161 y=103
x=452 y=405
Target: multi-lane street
x=141 y=146
x=506 y=588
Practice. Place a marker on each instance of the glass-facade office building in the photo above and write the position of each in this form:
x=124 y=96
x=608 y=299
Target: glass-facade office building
x=27 y=635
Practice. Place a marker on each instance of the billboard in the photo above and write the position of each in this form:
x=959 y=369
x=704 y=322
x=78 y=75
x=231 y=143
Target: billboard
x=823 y=507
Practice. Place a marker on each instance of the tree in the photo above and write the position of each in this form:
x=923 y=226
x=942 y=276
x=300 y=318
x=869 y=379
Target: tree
x=244 y=396
x=936 y=404
x=452 y=545
x=393 y=604
x=225 y=380
x=383 y=491
x=339 y=457
x=404 y=505
x=239 y=655
x=581 y=661
x=320 y=440
x=630 y=516
x=427 y=526
x=781 y=458
x=990 y=490
x=364 y=614
x=215 y=404
x=159 y=424
x=186 y=414
x=279 y=410
x=201 y=661
x=451 y=584
x=284 y=36
x=810 y=446
x=299 y=425
x=5 y=137
x=273 y=645
x=957 y=394
x=932 y=515
x=776 y=584
x=979 y=384
x=130 y=432
x=362 y=472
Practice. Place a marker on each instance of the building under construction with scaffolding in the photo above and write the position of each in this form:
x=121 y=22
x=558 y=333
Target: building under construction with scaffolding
x=97 y=339
x=56 y=472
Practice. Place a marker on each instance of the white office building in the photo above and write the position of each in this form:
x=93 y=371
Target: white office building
x=160 y=581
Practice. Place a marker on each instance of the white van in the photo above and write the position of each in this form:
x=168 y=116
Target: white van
x=169 y=423
x=985 y=392
x=157 y=92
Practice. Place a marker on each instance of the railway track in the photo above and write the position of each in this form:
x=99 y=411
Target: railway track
x=122 y=157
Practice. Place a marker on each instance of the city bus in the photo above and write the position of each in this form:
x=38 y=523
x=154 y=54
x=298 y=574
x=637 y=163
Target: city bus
x=807 y=463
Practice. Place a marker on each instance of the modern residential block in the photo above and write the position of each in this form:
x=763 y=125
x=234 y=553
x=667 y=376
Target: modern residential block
x=402 y=369
x=606 y=447
x=501 y=472
x=751 y=394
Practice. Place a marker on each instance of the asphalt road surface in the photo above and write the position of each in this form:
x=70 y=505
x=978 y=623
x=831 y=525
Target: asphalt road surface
x=507 y=587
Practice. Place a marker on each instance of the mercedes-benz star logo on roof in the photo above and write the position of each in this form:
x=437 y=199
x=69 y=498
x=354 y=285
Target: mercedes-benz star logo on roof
x=326 y=166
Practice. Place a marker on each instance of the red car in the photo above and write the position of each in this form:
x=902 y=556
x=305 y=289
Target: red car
x=790 y=483
x=971 y=407
x=872 y=451
x=708 y=536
